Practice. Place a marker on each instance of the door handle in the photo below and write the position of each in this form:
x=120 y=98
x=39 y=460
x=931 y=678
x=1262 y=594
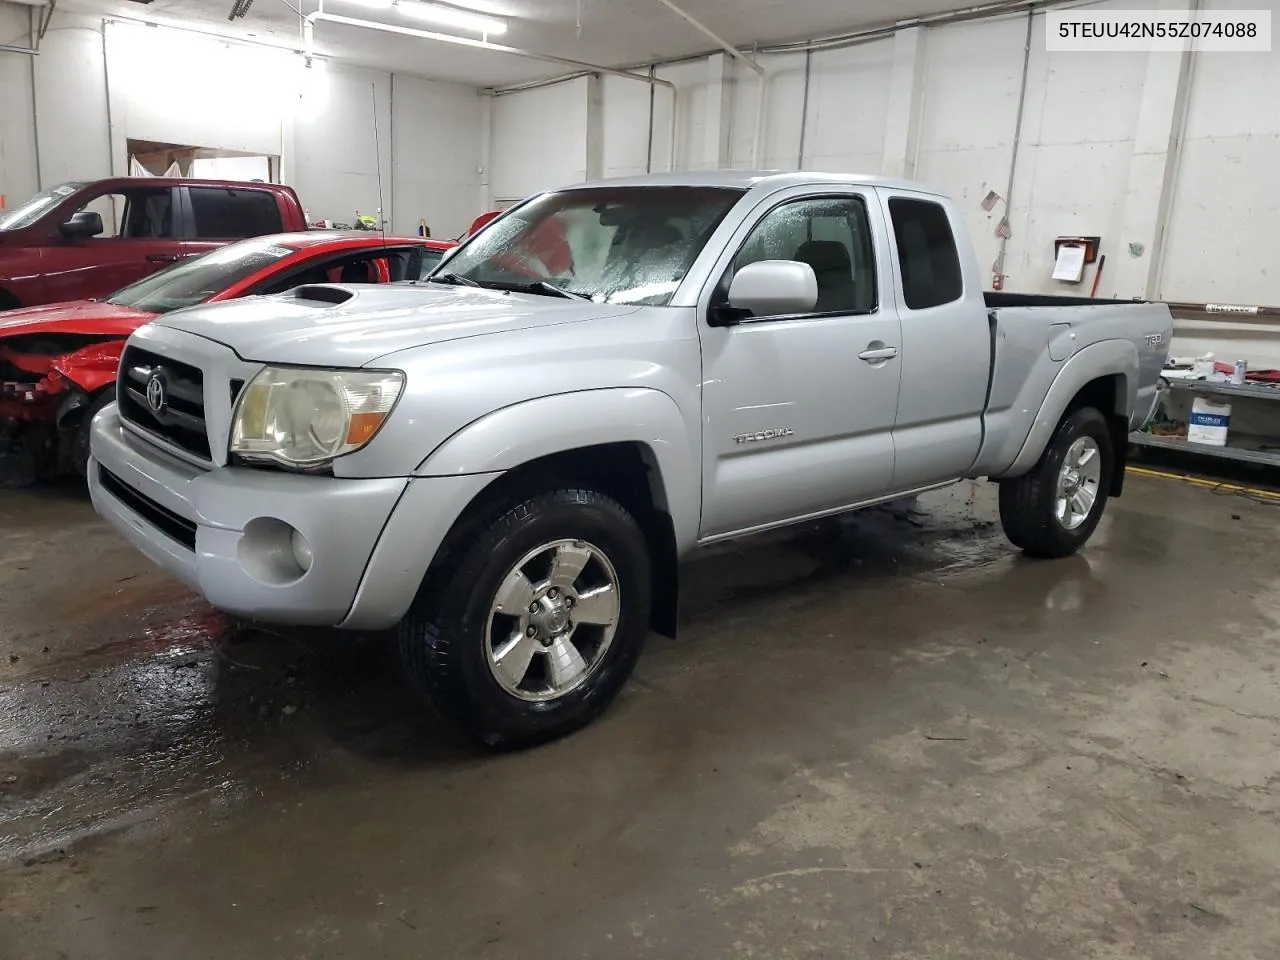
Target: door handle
x=163 y=257
x=877 y=354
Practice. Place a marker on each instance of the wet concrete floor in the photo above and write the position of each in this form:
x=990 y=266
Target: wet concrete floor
x=887 y=736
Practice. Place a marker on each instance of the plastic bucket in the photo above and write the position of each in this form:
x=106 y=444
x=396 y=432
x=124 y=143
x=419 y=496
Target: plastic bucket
x=1209 y=422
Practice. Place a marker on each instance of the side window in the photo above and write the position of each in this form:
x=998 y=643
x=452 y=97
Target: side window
x=148 y=214
x=927 y=253
x=833 y=236
x=230 y=214
x=369 y=267
x=135 y=213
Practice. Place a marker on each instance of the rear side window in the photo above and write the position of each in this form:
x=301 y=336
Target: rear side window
x=227 y=214
x=926 y=252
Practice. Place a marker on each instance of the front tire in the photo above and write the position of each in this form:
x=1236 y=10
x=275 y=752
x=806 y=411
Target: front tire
x=1052 y=510
x=80 y=439
x=530 y=623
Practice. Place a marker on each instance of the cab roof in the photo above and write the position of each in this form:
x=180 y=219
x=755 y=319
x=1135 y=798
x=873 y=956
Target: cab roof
x=766 y=180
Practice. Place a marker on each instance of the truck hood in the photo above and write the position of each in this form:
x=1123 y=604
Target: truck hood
x=82 y=317
x=373 y=322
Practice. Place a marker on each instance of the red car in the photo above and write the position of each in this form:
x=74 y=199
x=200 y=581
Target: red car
x=58 y=363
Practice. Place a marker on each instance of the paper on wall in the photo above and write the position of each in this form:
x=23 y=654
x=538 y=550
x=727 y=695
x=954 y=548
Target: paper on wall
x=1070 y=263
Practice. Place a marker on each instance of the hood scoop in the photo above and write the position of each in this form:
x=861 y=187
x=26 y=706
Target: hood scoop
x=320 y=293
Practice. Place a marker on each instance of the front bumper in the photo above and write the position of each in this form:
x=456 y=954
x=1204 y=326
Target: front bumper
x=219 y=531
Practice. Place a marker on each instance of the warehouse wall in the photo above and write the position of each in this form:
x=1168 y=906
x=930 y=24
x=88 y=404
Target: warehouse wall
x=540 y=139
x=1095 y=154
x=97 y=86
x=18 y=176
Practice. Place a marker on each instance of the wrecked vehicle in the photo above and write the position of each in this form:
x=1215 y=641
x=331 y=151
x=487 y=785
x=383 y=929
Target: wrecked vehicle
x=58 y=363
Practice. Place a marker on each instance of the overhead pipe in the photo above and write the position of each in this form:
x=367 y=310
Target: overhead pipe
x=713 y=37
x=804 y=107
x=1013 y=154
x=867 y=35
x=34 y=49
x=762 y=79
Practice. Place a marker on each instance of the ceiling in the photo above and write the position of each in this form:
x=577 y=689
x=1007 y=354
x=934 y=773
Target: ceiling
x=603 y=32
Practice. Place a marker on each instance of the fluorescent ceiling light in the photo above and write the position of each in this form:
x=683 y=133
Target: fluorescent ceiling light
x=451 y=17
x=440 y=14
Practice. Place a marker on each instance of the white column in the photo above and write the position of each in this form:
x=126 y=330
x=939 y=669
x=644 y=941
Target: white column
x=1152 y=172
x=594 y=164
x=713 y=152
x=486 y=152
x=906 y=94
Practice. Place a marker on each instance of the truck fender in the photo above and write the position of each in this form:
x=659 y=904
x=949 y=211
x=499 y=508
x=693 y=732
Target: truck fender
x=1102 y=359
x=533 y=429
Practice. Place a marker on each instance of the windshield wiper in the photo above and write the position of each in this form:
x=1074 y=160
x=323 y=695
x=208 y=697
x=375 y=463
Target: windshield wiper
x=454 y=280
x=543 y=287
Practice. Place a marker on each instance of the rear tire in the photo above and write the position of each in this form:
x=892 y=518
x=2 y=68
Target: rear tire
x=492 y=639
x=1052 y=510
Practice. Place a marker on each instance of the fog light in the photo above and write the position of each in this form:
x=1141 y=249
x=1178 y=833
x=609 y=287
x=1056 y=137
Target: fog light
x=271 y=551
x=301 y=550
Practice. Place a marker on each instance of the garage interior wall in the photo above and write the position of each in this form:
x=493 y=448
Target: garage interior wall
x=98 y=84
x=1158 y=150
x=1155 y=153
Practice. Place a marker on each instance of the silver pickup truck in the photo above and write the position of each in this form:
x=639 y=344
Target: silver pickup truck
x=505 y=464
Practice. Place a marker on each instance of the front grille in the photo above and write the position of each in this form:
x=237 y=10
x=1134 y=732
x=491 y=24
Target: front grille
x=164 y=519
x=180 y=394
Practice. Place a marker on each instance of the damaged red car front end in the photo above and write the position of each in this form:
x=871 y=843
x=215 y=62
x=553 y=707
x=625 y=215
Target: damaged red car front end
x=53 y=360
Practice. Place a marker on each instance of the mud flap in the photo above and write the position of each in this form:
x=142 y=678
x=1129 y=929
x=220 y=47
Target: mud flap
x=1119 y=454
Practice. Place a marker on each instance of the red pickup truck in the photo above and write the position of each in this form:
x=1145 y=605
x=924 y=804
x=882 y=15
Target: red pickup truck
x=84 y=240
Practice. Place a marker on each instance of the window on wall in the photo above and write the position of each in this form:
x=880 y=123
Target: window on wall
x=226 y=214
x=833 y=236
x=926 y=252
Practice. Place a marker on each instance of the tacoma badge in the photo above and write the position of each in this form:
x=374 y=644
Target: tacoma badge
x=764 y=435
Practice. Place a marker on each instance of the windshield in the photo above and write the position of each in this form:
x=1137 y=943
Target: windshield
x=622 y=245
x=31 y=211
x=195 y=280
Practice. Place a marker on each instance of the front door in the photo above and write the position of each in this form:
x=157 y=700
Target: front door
x=139 y=238
x=798 y=411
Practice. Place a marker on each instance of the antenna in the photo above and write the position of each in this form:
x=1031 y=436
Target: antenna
x=377 y=154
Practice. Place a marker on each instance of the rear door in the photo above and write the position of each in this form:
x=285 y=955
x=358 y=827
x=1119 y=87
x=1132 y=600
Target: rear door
x=140 y=235
x=218 y=215
x=798 y=410
x=945 y=360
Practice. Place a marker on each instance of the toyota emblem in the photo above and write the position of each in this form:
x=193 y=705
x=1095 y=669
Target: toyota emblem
x=155 y=393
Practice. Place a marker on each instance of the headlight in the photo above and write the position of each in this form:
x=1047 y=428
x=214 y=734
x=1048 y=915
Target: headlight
x=304 y=418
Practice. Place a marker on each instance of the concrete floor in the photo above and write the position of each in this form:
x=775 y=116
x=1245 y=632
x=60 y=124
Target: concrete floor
x=883 y=737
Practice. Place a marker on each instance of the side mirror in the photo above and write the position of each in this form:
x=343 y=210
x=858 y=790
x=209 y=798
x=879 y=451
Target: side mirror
x=770 y=288
x=86 y=223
